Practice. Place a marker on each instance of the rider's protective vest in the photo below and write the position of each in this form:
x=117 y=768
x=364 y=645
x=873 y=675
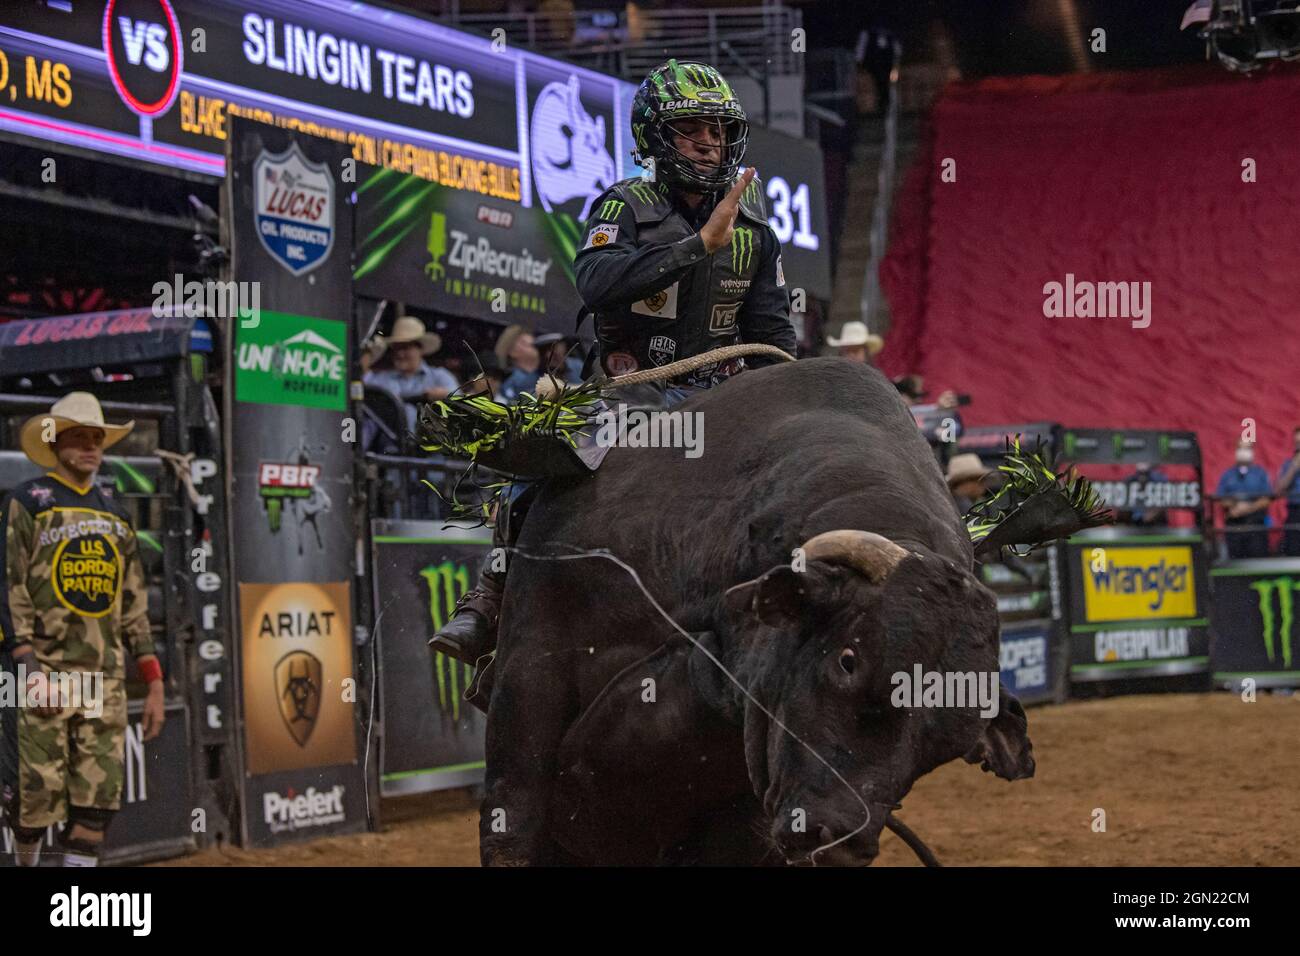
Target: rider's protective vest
x=658 y=296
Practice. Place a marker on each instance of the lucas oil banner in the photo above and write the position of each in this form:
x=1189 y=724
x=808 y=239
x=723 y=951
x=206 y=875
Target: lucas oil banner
x=292 y=540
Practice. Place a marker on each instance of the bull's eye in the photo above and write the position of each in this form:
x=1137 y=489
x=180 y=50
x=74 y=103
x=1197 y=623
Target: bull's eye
x=848 y=660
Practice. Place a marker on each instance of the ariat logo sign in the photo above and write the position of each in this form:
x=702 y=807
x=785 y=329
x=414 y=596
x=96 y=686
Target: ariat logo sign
x=298 y=811
x=662 y=304
x=87 y=575
x=298 y=680
x=742 y=249
x=723 y=319
x=600 y=236
x=662 y=349
x=610 y=209
x=1277 y=627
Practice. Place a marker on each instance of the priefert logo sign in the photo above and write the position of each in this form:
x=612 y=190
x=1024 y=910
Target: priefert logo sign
x=312 y=808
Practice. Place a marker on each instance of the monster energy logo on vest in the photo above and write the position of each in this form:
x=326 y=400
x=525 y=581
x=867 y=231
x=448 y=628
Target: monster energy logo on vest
x=447 y=582
x=742 y=248
x=642 y=192
x=1286 y=607
x=610 y=209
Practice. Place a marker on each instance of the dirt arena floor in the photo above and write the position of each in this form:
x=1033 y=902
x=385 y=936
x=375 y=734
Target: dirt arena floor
x=1184 y=779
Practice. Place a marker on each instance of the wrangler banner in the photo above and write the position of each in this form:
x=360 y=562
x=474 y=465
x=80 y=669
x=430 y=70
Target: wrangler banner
x=1137 y=606
x=1254 y=624
x=432 y=738
x=290 y=463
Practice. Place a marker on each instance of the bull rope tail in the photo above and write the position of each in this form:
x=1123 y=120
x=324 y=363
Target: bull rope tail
x=682 y=366
x=917 y=845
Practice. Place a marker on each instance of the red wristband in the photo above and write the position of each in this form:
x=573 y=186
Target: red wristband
x=150 y=670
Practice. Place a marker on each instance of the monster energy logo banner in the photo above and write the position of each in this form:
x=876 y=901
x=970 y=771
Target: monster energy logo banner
x=1277 y=626
x=610 y=209
x=447 y=582
x=742 y=248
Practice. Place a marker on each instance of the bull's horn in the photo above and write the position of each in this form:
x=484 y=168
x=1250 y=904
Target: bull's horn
x=872 y=554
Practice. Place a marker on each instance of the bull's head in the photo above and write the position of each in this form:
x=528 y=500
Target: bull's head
x=819 y=649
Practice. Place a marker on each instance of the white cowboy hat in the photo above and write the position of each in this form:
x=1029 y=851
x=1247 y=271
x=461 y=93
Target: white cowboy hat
x=408 y=329
x=855 y=333
x=964 y=468
x=74 y=410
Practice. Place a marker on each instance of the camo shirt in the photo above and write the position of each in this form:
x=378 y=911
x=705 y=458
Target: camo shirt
x=658 y=296
x=74 y=586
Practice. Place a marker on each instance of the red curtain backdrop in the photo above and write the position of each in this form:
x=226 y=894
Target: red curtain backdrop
x=1112 y=177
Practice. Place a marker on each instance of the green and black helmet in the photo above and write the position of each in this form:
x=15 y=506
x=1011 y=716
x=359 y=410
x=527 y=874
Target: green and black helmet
x=680 y=90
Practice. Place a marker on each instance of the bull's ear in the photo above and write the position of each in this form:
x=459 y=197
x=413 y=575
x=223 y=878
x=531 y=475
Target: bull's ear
x=1005 y=748
x=778 y=597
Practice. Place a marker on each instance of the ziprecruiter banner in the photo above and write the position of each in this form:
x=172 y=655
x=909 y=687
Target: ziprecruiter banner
x=291 y=535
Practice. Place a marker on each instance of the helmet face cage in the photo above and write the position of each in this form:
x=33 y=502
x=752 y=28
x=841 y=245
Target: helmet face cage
x=680 y=91
x=733 y=136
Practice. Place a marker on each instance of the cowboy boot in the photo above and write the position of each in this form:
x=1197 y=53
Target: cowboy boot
x=471 y=631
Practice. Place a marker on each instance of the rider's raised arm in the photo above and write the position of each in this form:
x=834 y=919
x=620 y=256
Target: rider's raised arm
x=613 y=270
x=765 y=313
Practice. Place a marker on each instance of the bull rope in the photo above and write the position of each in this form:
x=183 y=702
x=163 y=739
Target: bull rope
x=682 y=366
x=892 y=823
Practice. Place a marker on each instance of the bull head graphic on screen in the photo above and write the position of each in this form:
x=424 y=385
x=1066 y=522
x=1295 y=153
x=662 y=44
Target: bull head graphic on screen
x=568 y=147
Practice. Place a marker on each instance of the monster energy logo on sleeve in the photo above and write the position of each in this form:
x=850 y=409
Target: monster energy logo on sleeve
x=610 y=209
x=447 y=582
x=742 y=248
x=642 y=192
x=1286 y=607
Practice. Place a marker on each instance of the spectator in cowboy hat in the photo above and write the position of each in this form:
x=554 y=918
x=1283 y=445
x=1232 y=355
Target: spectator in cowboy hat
x=410 y=378
x=553 y=349
x=966 y=480
x=489 y=379
x=517 y=352
x=855 y=343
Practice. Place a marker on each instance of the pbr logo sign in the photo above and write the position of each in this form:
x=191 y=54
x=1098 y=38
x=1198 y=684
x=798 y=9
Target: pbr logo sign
x=293 y=204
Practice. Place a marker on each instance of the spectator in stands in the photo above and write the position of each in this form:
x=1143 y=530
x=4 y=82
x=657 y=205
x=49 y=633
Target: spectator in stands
x=966 y=480
x=489 y=380
x=1135 y=485
x=1288 y=484
x=409 y=377
x=1245 y=491
x=856 y=343
x=939 y=421
x=517 y=352
x=553 y=351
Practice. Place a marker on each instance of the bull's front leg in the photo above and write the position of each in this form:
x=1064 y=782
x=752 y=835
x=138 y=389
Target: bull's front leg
x=533 y=703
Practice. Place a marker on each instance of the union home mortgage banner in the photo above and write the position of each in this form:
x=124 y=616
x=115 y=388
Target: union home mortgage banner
x=292 y=540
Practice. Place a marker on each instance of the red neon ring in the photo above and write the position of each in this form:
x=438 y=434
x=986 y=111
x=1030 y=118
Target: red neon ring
x=169 y=97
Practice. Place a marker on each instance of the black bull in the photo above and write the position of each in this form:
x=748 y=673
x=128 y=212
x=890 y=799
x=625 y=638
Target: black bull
x=614 y=739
